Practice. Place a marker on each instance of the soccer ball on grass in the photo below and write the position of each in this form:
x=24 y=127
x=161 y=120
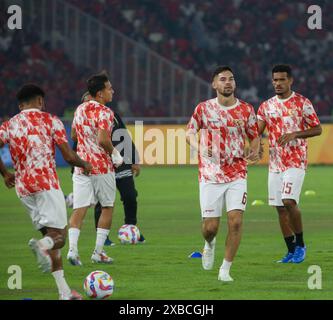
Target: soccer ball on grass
x=129 y=234
x=98 y=285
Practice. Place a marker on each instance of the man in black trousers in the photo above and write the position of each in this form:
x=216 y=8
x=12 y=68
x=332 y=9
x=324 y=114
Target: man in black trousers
x=124 y=174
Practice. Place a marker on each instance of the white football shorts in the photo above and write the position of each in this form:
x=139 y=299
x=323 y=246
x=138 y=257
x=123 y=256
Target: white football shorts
x=47 y=209
x=88 y=190
x=285 y=185
x=214 y=196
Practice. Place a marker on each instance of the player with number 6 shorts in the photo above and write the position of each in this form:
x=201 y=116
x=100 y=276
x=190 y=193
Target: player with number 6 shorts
x=223 y=123
x=289 y=118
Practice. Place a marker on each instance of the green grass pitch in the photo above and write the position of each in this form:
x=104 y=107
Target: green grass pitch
x=169 y=217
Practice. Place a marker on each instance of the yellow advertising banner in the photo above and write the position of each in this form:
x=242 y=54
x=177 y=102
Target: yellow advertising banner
x=166 y=145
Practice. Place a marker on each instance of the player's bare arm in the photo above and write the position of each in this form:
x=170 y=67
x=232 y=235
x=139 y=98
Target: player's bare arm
x=312 y=132
x=253 y=155
x=73 y=135
x=262 y=127
x=105 y=142
x=9 y=178
x=193 y=141
x=73 y=159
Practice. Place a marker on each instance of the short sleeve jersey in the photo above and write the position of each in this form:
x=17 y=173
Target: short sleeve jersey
x=223 y=130
x=286 y=116
x=32 y=136
x=89 y=118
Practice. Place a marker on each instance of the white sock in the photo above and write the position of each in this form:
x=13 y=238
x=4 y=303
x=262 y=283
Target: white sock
x=47 y=243
x=226 y=265
x=210 y=245
x=62 y=285
x=100 y=239
x=73 y=235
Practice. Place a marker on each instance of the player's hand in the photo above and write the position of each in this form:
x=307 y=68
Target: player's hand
x=286 y=138
x=117 y=159
x=87 y=168
x=261 y=150
x=9 y=179
x=252 y=157
x=136 y=170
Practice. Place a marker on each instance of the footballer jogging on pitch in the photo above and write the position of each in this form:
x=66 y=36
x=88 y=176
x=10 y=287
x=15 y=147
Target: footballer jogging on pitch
x=32 y=135
x=224 y=124
x=92 y=128
x=290 y=118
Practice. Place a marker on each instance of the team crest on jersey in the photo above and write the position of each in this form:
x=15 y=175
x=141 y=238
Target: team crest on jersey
x=238 y=122
x=292 y=113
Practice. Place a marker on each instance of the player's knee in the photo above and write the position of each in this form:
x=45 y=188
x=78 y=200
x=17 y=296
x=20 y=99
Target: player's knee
x=236 y=225
x=210 y=229
x=61 y=239
x=289 y=203
x=283 y=213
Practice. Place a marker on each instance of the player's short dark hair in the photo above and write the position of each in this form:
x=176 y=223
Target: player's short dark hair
x=28 y=92
x=97 y=83
x=283 y=68
x=220 y=69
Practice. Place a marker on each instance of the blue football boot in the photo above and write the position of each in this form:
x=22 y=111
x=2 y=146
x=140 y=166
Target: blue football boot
x=299 y=254
x=287 y=258
x=109 y=242
x=141 y=239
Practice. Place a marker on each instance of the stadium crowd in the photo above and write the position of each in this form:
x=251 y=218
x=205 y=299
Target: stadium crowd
x=23 y=58
x=250 y=36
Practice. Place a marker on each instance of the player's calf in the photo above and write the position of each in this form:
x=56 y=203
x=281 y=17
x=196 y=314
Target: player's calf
x=210 y=228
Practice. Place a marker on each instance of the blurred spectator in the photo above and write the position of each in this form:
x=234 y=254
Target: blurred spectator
x=23 y=59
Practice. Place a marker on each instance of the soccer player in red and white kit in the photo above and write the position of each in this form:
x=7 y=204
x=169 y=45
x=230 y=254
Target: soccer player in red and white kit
x=225 y=123
x=289 y=118
x=32 y=135
x=92 y=128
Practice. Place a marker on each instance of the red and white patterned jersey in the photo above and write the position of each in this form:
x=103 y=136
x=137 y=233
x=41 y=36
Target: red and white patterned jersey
x=90 y=117
x=32 y=136
x=223 y=130
x=286 y=116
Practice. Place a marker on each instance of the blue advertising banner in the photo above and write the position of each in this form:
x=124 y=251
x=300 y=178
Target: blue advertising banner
x=59 y=159
x=5 y=156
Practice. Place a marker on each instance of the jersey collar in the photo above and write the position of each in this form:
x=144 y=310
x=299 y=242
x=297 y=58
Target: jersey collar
x=229 y=107
x=31 y=110
x=284 y=100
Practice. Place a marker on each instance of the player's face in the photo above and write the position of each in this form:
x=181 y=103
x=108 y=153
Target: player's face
x=224 y=83
x=281 y=83
x=108 y=92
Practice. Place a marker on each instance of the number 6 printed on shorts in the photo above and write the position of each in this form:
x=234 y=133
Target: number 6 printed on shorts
x=244 y=198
